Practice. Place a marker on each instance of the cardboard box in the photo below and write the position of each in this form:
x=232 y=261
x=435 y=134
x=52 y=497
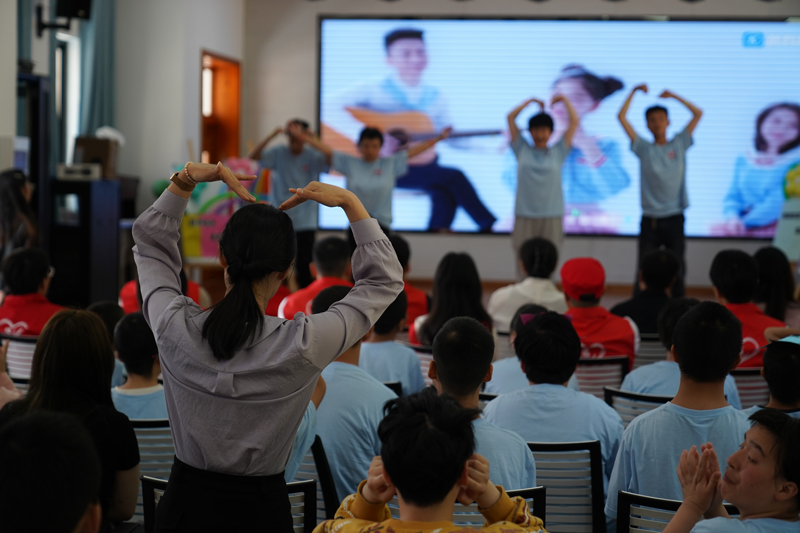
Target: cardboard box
x=94 y=150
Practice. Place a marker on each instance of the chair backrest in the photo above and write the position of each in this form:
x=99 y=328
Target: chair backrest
x=650 y=350
x=753 y=389
x=396 y=387
x=151 y=491
x=484 y=398
x=573 y=475
x=425 y=356
x=503 y=348
x=636 y=512
x=594 y=374
x=19 y=357
x=470 y=516
x=156 y=454
x=315 y=467
x=629 y=405
x=22 y=384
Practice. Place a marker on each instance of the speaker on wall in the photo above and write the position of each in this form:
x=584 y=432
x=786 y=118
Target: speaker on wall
x=80 y=9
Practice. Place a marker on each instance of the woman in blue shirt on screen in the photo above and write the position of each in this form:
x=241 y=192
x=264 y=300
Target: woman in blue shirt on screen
x=755 y=196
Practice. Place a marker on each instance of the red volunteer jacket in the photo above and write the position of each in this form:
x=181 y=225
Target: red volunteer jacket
x=26 y=314
x=754 y=322
x=603 y=334
x=130 y=303
x=300 y=301
x=275 y=302
x=417 y=303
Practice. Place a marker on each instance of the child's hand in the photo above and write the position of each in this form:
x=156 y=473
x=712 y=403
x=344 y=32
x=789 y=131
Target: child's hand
x=642 y=87
x=377 y=490
x=478 y=489
x=666 y=94
x=698 y=479
x=537 y=101
x=557 y=98
x=295 y=130
x=446 y=132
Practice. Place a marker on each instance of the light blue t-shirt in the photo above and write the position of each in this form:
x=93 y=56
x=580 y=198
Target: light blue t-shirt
x=663 y=171
x=302 y=442
x=373 y=182
x=663 y=379
x=752 y=525
x=511 y=462
x=653 y=442
x=554 y=413
x=141 y=404
x=119 y=376
x=390 y=361
x=756 y=191
x=289 y=170
x=750 y=410
x=507 y=377
x=539 y=191
x=347 y=423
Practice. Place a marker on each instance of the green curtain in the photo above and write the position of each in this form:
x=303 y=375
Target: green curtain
x=97 y=67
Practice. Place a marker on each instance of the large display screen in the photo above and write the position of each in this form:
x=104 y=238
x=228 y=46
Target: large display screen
x=468 y=74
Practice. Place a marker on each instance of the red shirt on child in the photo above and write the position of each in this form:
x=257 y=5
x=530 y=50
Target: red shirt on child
x=300 y=301
x=603 y=334
x=754 y=322
x=417 y=303
x=26 y=314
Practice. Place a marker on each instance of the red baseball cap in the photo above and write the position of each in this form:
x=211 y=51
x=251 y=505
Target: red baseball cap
x=583 y=276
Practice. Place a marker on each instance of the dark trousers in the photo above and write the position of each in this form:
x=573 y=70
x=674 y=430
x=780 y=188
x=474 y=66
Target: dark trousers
x=197 y=500
x=666 y=232
x=305 y=247
x=448 y=189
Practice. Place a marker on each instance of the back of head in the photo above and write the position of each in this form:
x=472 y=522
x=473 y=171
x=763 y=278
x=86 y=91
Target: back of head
x=542 y=120
x=655 y=109
x=539 y=257
x=393 y=314
x=426 y=440
x=707 y=341
x=369 y=133
x=669 y=316
x=136 y=344
x=25 y=270
x=331 y=257
x=49 y=473
x=598 y=88
x=583 y=280
x=659 y=269
x=401 y=33
x=300 y=122
x=735 y=275
x=775 y=282
x=463 y=351
x=328 y=297
x=110 y=313
x=786 y=431
x=401 y=248
x=782 y=370
x=549 y=347
x=12 y=201
x=528 y=311
x=257 y=241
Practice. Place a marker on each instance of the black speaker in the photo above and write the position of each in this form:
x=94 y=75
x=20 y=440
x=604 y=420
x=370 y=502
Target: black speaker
x=73 y=9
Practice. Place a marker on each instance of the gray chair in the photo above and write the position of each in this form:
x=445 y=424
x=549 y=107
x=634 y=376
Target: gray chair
x=396 y=387
x=594 y=374
x=315 y=467
x=752 y=387
x=19 y=357
x=637 y=513
x=503 y=348
x=650 y=350
x=156 y=454
x=484 y=398
x=21 y=384
x=629 y=405
x=573 y=475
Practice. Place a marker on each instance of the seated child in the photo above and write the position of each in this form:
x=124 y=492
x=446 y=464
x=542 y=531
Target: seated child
x=26 y=309
x=705 y=343
x=657 y=273
x=141 y=396
x=462 y=361
x=386 y=360
x=538 y=257
x=427 y=459
x=347 y=421
x=664 y=377
x=782 y=372
x=547 y=411
x=761 y=479
x=331 y=267
x=734 y=275
x=418 y=300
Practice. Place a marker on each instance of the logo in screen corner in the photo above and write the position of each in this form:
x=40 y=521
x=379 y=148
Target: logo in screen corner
x=753 y=39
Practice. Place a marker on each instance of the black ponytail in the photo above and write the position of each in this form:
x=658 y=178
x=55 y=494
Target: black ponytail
x=257 y=241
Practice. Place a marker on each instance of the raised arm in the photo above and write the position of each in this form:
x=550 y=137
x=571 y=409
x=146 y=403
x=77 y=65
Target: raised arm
x=623 y=113
x=256 y=151
x=512 y=116
x=697 y=113
x=573 y=117
x=295 y=130
x=418 y=148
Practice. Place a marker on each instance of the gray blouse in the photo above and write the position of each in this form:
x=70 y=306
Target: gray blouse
x=240 y=416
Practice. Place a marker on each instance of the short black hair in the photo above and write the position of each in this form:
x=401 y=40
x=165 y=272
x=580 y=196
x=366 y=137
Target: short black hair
x=735 y=275
x=786 y=431
x=539 y=257
x=24 y=270
x=659 y=269
x=300 y=122
x=707 y=340
x=393 y=314
x=49 y=472
x=655 y=109
x=549 y=347
x=463 y=351
x=401 y=248
x=542 y=119
x=401 y=33
x=516 y=324
x=782 y=371
x=427 y=438
x=370 y=133
x=110 y=313
x=331 y=256
x=669 y=316
x=328 y=297
x=136 y=344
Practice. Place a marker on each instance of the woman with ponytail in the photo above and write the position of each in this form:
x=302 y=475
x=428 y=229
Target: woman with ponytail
x=237 y=382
